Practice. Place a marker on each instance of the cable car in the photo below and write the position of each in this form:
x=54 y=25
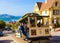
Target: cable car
x=38 y=25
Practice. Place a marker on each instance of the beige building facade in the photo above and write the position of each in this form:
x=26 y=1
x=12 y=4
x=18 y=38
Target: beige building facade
x=49 y=8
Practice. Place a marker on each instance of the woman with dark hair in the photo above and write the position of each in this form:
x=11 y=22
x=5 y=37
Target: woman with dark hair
x=22 y=32
x=38 y=24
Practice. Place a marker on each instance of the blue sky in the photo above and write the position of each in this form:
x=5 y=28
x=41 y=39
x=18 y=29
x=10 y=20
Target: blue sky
x=17 y=7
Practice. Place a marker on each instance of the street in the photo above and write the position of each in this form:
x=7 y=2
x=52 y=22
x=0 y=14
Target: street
x=9 y=37
x=6 y=38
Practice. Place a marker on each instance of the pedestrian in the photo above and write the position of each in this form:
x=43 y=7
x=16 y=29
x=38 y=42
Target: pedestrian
x=38 y=24
x=54 y=27
x=26 y=29
x=22 y=32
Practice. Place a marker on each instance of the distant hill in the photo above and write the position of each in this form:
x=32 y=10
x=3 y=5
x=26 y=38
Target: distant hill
x=9 y=18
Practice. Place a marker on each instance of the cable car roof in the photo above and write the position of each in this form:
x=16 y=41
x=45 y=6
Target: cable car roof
x=31 y=15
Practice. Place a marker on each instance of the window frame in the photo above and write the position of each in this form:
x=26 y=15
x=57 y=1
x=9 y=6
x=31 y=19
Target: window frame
x=56 y=3
x=56 y=12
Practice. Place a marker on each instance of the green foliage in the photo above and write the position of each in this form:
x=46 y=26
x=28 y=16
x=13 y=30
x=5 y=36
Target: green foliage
x=8 y=24
x=57 y=25
x=2 y=24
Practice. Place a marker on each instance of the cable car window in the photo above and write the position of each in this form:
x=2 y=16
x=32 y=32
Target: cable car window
x=46 y=22
x=38 y=21
x=38 y=24
x=32 y=22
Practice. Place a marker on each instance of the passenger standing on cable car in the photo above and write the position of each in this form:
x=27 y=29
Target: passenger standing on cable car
x=22 y=29
x=26 y=29
x=38 y=23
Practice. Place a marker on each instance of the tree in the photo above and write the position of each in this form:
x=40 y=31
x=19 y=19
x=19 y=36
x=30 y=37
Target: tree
x=2 y=24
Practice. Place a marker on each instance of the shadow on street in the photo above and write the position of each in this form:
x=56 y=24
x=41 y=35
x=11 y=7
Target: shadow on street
x=5 y=35
x=54 y=39
x=5 y=41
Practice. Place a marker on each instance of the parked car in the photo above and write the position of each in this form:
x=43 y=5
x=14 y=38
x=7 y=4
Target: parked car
x=7 y=28
x=1 y=33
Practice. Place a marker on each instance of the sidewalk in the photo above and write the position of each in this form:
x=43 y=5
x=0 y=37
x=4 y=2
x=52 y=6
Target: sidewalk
x=55 y=33
x=18 y=40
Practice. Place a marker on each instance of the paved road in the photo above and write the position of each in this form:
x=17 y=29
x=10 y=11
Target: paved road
x=7 y=37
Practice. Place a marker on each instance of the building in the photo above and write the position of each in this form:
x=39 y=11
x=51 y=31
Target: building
x=49 y=8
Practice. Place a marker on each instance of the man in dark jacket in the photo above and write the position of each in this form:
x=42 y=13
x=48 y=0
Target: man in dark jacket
x=26 y=29
x=22 y=29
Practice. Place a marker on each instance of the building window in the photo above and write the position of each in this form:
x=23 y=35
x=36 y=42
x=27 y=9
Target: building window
x=55 y=12
x=54 y=20
x=46 y=12
x=56 y=3
x=37 y=9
